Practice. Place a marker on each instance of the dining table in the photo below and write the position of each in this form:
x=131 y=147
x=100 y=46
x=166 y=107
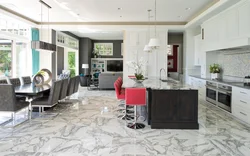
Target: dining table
x=31 y=89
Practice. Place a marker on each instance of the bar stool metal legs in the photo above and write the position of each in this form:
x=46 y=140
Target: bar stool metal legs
x=135 y=125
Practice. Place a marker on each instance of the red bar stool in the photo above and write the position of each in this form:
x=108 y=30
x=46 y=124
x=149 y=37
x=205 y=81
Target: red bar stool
x=120 y=95
x=135 y=97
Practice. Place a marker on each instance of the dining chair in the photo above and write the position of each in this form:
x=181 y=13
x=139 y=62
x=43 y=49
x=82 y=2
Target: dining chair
x=9 y=102
x=77 y=83
x=71 y=86
x=4 y=81
x=15 y=82
x=26 y=80
x=63 y=92
x=48 y=101
x=135 y=97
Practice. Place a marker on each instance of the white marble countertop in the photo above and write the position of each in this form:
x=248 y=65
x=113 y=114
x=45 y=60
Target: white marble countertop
x=156 y=83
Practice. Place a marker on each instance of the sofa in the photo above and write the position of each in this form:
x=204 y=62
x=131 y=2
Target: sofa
x=107 y=80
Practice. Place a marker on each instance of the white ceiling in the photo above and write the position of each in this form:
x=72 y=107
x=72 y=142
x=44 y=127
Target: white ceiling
x=107 y=10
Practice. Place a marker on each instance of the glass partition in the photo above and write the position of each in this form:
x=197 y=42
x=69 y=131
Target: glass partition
x=5 y=57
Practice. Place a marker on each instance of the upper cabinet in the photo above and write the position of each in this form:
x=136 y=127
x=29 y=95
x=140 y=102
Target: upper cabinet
x=229 y=29
x=197 y=50
x=244 y=20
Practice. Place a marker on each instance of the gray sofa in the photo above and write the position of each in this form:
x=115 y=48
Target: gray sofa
x=106 y=80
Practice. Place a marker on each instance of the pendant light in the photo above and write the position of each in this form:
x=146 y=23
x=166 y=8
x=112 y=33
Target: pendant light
x=40 y=45
x=148 y=48
x=154 y=43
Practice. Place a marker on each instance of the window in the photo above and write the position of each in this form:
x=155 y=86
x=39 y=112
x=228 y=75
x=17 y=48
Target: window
x=72 y=63
x=5 y=58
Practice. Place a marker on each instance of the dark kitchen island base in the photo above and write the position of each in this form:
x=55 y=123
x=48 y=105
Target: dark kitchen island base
x=173 y=109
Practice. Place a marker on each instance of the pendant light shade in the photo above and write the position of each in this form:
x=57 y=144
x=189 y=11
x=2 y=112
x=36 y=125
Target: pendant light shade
x=147 y=48
x=154 y=43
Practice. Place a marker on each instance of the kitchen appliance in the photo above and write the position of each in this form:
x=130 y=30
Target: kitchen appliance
x=247 y=80
x=211 y=92
x=219 y=95
x=224 y=94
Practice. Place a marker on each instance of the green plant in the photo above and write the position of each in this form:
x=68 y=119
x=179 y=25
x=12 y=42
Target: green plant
x=214 y=68
x=139 y=76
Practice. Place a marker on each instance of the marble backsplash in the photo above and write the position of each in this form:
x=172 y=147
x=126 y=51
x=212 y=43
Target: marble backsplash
x=235 y=64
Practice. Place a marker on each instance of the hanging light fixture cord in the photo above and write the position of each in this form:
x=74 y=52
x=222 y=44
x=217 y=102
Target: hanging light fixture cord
x=149 y=23
x=155 y=18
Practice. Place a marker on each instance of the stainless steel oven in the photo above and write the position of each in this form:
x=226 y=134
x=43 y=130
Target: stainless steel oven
x=224 y=97
x=211 y=92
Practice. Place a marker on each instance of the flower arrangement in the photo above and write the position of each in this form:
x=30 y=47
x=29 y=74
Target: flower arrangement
x=95 y=53
x=139 y=67
x=215 y=68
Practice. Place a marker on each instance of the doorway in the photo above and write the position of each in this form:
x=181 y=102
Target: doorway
x=71 y=61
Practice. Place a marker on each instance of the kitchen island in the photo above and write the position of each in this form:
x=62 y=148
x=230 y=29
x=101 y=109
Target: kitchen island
x=170 y=104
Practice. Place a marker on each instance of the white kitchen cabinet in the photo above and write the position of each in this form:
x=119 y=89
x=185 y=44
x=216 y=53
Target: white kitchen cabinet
x=244 y=19
x=241 y=103
x=200 y=85
x=137 y=38
x=232 y=27
x=197 y=50
x=228 y=29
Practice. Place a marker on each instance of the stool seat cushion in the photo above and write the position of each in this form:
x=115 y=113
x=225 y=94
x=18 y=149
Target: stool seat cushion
x=135 y=96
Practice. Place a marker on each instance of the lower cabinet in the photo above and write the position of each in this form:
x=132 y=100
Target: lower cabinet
x=199 y=84
x=174 y=109
x=241 y=103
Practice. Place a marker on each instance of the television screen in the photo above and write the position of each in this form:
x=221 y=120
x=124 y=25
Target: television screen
x=114 y=65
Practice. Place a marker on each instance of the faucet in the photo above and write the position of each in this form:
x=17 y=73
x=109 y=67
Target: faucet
x=160 y=72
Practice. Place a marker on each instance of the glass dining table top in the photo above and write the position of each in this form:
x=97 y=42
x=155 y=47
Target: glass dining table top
x=31 y=89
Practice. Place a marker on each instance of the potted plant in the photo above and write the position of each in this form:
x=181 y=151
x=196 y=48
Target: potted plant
x=138 y=66
x=214 y=70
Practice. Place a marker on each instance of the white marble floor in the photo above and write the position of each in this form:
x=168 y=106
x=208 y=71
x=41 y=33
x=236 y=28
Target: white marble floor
x=89 y=127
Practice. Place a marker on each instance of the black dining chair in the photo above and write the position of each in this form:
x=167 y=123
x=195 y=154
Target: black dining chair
x=26 y=80
x=71 y=86
x=48 y=101
x=4 y=81
x=9 y=102
x=15 y=82
x=63 y=92
x=77 y=83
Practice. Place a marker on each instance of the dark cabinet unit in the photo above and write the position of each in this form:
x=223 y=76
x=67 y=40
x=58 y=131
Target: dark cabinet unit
x=173 y=109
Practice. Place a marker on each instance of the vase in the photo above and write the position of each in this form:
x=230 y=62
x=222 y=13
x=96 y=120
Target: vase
x=214 y=76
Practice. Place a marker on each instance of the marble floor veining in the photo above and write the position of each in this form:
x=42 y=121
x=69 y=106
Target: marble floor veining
x=89 y=127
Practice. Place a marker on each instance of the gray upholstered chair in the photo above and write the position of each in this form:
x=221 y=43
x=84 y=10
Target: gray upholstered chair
x=48 y=101
x=63 y=92
x=4 y=81
x=15 y=82
x=26 y=80
x=71 y=86
x=77 y=83
x=9 y=102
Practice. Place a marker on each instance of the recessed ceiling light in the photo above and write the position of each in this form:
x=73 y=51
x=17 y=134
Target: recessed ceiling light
x=119 y=8
x=188 y=9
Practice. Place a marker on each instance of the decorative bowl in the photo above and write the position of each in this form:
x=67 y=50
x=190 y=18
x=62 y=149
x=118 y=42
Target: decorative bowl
x=138 y=81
